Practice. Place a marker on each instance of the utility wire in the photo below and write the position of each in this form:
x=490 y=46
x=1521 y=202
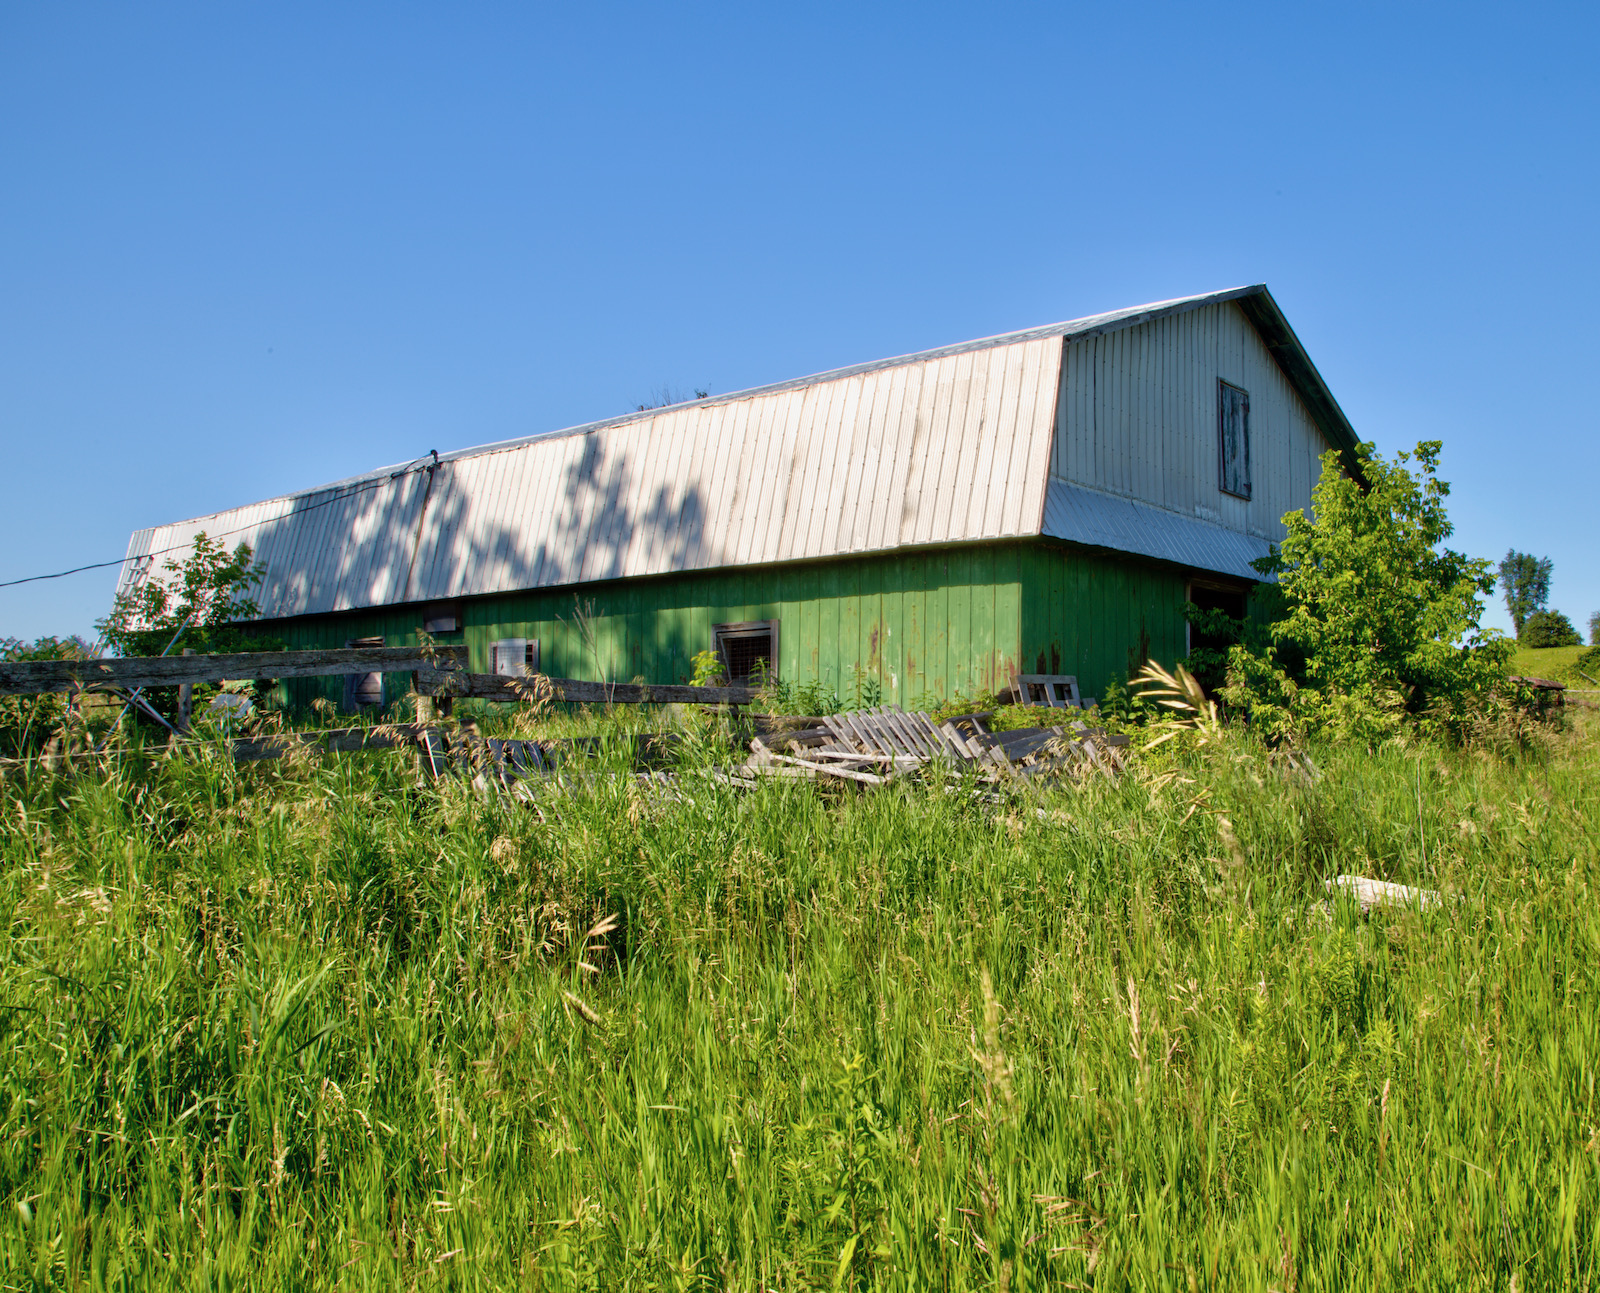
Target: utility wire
x=416 y=465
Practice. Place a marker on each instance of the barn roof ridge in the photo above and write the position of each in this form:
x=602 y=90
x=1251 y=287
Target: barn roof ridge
x=1088 y=325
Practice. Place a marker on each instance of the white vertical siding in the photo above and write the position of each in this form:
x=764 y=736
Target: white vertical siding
x=1138 y=418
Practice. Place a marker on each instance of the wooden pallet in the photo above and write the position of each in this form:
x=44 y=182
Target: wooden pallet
x=876 y=746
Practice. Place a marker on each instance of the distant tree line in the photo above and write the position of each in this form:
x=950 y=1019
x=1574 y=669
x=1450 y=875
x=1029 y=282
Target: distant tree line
x=1525 y=583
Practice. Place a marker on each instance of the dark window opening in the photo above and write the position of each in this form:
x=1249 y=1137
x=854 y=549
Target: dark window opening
x=514 y=657
x=441 y=617
x=1233 y=440
x=363 y=689
x=748 y=651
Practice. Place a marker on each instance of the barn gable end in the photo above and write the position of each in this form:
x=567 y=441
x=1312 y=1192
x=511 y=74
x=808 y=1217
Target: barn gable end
x=1138 y=418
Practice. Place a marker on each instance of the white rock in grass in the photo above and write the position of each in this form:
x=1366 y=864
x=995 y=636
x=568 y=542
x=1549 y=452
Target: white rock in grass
x=1381 y=893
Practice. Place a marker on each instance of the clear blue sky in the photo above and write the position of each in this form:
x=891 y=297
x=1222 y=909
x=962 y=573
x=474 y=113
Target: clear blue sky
x=249 y=248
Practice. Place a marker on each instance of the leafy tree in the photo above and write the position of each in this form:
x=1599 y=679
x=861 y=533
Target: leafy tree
x=1525 y=581
x=1379 y=624
x=1549 y=629
x=208 y=594
x=1594 y=629
x=1214 y=631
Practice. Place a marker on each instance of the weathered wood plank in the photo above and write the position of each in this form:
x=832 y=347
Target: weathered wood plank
x=1370 y=893
x=29 y=677
x=870 y=778
x=335 y=740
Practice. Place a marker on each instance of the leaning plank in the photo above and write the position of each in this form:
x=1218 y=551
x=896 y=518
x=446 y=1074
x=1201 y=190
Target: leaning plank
x=936 y=737
x=772 y=770
x=872 y=733
x=836 y=757
x=30 y=677
x=806 y=738
x=493 y=686
x=843 y=737
x=871 y=778
x=964 y=748
x=1031 y=740
x=906 y=738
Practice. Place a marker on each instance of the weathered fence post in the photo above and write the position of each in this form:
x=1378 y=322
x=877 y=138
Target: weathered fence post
x=185 y=701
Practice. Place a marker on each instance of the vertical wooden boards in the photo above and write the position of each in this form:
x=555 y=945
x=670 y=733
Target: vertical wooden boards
x=922 y=624
x=962 y=670
x=1092 y=609
x=1137 y=416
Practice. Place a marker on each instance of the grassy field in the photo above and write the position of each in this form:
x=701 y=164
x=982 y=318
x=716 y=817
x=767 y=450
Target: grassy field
x=1559 y=664
x=313 y=1026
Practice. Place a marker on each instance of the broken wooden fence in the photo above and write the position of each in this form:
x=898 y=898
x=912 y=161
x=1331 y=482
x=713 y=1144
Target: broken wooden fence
x=31 y=677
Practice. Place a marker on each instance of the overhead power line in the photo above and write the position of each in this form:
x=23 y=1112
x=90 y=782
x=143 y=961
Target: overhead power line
x=427 y=462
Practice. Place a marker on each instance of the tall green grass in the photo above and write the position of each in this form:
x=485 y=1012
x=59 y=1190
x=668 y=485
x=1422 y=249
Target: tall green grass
x=308 y=1025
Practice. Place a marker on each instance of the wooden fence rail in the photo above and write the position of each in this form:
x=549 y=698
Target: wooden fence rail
x=440 y=672
x=29 y=677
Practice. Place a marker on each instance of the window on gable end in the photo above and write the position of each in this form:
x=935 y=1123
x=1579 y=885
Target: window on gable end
x=1233 y=440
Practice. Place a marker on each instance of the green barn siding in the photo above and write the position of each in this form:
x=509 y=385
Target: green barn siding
x=1085 y=612
x=886 y=617
x=933 y=623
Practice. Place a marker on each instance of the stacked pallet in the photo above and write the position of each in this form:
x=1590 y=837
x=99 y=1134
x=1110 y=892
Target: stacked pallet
x=877 y=746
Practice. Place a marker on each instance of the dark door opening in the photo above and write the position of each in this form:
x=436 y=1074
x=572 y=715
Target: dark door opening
x=1230 y=601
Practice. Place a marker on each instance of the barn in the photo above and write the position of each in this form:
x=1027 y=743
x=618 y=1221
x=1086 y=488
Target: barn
x=1039 y=502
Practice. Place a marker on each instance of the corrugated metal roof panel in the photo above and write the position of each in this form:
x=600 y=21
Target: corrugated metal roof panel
x=867 y=461
x=1099 y=520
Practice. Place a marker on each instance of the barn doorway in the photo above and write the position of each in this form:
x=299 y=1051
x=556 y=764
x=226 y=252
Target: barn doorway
x=1210 y=640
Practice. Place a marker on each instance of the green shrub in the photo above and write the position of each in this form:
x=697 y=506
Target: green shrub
x=1121 y=707
x=1385 y=619
x=980 y=702
x=1549 y=629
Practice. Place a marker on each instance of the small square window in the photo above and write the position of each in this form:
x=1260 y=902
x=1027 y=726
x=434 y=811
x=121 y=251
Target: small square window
x=1233 y=440
x=441 y=617
x=514 y=657
x=748 y=651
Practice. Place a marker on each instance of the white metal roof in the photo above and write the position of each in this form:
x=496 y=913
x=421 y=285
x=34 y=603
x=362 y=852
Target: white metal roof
x=945 y=446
